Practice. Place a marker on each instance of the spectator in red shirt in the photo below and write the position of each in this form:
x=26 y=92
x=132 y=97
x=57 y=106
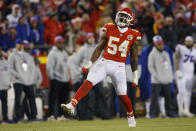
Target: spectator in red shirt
x=96 y=13
x=87 y=25
x=52 y=28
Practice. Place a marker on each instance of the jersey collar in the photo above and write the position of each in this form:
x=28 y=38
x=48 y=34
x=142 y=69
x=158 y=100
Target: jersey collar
x=122 y=30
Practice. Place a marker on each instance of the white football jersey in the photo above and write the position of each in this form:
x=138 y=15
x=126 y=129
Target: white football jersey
x=188 y=57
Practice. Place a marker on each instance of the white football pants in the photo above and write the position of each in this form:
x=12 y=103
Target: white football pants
x=116 y=70
x=185 y=86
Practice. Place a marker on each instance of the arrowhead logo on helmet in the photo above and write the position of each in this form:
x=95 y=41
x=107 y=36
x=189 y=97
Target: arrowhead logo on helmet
x=124 y=17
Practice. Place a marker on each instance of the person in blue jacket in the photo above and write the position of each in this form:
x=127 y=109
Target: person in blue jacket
x=23 y=29
x=36 y=31
x=4 y=38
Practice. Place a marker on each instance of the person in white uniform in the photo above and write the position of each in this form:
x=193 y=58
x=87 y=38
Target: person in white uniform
x=185 y=56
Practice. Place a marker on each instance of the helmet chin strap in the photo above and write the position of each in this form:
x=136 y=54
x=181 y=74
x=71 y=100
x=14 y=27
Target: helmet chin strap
x=123 y=26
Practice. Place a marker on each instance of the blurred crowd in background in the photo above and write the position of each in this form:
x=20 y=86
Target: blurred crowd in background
x=67 y=31
x=40 y=21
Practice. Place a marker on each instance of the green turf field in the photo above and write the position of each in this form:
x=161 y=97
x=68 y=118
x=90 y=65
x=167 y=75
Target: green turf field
x=167 y=124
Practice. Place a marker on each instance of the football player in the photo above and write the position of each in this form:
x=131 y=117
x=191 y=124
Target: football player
x=117 y=40
x=185 y=56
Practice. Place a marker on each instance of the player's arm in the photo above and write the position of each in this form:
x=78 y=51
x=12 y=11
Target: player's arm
x=195 y=48
x=98 y=49
x=134 y=61
x=134 y=56
x=177 y=58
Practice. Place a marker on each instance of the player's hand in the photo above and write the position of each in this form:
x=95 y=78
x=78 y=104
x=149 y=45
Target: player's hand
x=84 y=70
x=88 y=66
x=133 y=84
x=179 y=74
x=135 y=79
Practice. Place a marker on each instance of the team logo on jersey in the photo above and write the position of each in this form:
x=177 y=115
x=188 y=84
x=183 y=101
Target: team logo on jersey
x=129 y=37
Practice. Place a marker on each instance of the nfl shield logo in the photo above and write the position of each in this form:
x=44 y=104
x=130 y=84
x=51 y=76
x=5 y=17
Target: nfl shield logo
x=129 y=37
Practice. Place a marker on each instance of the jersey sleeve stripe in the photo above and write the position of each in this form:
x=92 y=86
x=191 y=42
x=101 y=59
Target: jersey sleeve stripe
x=139 y=38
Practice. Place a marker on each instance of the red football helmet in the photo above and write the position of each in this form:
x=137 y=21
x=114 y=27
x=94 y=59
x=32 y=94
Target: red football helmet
x=124 y=17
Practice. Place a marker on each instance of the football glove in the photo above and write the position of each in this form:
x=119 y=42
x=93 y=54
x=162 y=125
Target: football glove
x=84 y=70
x=179 y=74
x=135 y=78
x=87 y=67
x=133 y=85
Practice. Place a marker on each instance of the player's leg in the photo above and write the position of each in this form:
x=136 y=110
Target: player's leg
x=147 y=105
x=119 y=81
x=18 y=88
x=156 y=89
x=162 y=106
x=96 y=74
x=187 y=96
x=131 y=92
x=3 y=96
x=180 y=96
x=166 y=90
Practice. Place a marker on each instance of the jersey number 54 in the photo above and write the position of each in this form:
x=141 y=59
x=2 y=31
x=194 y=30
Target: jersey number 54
x=122 y=48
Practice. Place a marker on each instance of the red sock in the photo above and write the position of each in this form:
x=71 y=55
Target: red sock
x=82 y=92
x=126 y=102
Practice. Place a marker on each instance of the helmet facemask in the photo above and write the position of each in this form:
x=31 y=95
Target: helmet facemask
x=123 y=19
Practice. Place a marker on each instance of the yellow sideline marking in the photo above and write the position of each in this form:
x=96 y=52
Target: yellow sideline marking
x=43 y=59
